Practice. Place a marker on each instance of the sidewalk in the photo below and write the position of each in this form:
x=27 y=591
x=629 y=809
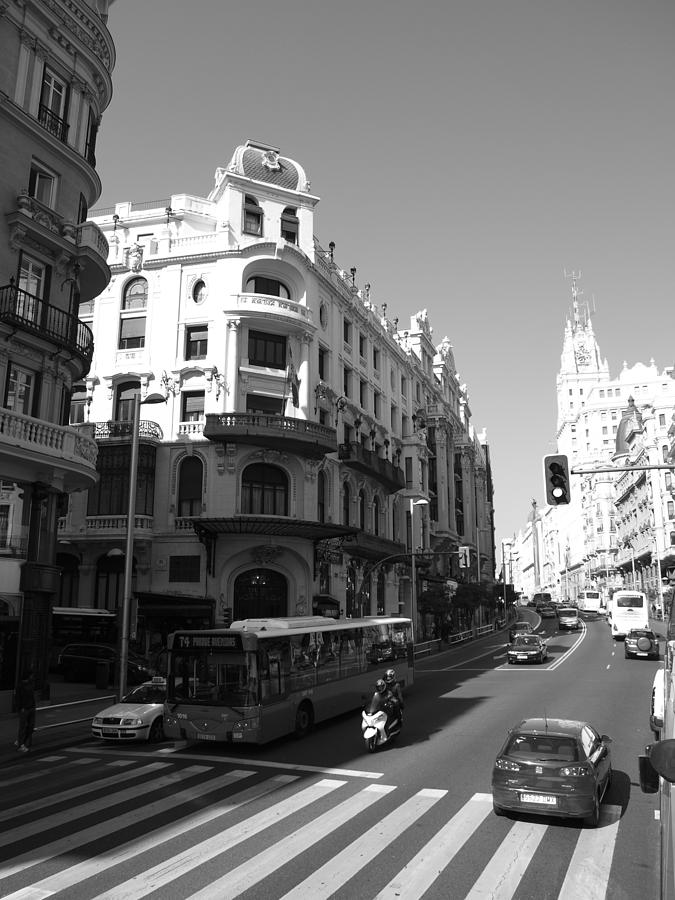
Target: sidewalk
x=60 y=721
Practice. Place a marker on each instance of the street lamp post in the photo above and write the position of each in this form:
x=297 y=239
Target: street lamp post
x=129 y=551
x=413 y=587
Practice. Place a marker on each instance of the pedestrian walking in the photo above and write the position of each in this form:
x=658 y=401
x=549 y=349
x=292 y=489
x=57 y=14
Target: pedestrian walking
x=25 y=707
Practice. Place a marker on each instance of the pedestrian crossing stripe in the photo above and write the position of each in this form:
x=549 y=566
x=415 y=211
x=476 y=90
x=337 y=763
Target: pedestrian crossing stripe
x=587 y=874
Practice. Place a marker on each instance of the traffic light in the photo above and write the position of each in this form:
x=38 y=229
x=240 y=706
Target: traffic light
x=557 y=479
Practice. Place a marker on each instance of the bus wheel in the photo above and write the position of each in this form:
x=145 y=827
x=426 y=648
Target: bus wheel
x=304 y=718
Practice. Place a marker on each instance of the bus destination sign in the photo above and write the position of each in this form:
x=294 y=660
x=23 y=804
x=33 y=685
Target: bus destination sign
x=199 y=641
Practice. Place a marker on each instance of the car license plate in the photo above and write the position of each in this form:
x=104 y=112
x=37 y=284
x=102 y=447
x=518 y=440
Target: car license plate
x=111 y=732
x=640 y=653
x=206 y=737
x=522 y=656
x=543 y=799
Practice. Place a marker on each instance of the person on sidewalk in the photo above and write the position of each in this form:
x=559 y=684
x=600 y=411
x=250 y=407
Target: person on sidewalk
x=25 y=706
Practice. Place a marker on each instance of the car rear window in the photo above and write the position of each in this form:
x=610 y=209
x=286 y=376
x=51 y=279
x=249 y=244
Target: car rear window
x=567 y=612
x=543 y=746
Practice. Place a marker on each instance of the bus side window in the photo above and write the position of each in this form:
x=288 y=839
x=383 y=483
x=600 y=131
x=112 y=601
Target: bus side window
x=275 y=662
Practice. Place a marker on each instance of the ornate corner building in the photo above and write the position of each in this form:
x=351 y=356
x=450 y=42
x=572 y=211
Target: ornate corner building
x=309 y=442
x=55 y=83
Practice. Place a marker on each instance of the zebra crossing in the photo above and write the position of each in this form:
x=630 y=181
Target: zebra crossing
x=117 y=829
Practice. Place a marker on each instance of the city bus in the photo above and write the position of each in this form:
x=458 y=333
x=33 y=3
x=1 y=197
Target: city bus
x=590 y=602
x=261 y=679
x=626 y=610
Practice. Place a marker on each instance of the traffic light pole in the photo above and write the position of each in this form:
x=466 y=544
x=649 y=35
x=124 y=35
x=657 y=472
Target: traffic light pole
x=619 y=469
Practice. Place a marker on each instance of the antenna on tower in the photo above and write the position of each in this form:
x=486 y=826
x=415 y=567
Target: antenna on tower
x=576 y=291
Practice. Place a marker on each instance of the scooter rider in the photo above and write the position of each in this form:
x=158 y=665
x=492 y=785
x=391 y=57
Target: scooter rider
x=383 y=699
x=395 y=691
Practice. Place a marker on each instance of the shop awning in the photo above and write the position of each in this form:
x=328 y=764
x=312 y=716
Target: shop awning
x=276 y=526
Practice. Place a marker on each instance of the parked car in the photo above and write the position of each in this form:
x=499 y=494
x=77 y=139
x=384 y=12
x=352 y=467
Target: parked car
x=520 y=628
x=568 y=618
x=552 y=767
x=657 y=704
x=139 y=716
x=641 y=642
x=527 y=648
x=86 y=662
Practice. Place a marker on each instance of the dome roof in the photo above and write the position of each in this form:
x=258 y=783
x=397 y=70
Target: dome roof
x=262 y=162
x=630 y=424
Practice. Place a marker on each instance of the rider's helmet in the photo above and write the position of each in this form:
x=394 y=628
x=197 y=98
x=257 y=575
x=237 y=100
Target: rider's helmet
x=390 y=676
x=380 y=686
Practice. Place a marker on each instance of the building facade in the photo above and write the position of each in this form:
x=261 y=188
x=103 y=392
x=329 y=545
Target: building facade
x=55 y=83
x=308 y=444
x=619 y=527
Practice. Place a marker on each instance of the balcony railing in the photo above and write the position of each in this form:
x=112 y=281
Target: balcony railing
x=53 y=123
x=122 y=428
x=369 y=463
x=301 y=436
x=18 y=307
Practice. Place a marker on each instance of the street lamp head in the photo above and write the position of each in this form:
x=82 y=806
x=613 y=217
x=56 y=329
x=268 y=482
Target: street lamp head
x=153 y=398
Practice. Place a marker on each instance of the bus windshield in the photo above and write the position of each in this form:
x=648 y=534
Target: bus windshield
x=214 y=679
x=627 y=601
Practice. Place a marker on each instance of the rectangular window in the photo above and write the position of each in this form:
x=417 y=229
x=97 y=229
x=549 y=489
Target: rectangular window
x=347 y=331
x=196 y=342
x=408 y=472
x=32 y=276
x=53 y=105
x=404 y=386
x=259 y=405
x=192 y=406
x=347 y=382
x=41 y=184
x=662 y=419
x=323 y=359
x=671 y=509
x=266 y=350
x=132 y=333
x=376 y=359
x=78 y=404
x=376 y=404
x=20 y=387
x=184 y=568
x=362 y=346
x=363 y=394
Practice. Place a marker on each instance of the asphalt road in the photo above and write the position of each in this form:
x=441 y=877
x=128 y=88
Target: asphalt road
x=322 y=818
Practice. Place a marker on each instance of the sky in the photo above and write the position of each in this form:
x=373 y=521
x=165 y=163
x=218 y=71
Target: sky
x=467 y=153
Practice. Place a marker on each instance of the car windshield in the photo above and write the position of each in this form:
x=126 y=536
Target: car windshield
x=526 y=640
x=146 y=693
x=542 y=746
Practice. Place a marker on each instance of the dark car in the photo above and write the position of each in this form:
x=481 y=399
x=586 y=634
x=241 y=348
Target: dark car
x=641 y=642
x=87 y=662
x=547 y=611
x=527 y=648
x=552 y=767
x=520 y=628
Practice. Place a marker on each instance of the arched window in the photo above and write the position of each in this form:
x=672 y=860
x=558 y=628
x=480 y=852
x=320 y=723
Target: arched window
x=290 y=224
x=190 y=478
x=362 y=511
x=252 y=216
x=135 y=294
x=376 y=515
x=261 y=284
x=346 y=501
x=321 y=497
x=264 y=491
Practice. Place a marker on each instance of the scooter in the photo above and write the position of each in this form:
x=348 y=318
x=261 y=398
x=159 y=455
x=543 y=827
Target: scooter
x=379 y=722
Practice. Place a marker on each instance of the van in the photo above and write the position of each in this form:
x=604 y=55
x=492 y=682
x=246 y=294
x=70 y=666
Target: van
x=568 y=618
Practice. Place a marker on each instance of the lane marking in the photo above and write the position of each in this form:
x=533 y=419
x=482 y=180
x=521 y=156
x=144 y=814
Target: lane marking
x=502 y=876
x=325 y=881
x=264 y=764
x=250 y=873
x=177 y=865
x=588 y=871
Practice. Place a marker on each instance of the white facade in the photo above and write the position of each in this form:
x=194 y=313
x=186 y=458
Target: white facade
x=274 y=364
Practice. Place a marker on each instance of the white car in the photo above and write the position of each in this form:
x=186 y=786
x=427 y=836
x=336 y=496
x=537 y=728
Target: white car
x=138 y=717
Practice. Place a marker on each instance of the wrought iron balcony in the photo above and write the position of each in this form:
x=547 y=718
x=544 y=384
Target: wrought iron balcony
x=369 y=463
x=19 y=308
x=301 y=436
x=53 y=123
x=114 y=430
